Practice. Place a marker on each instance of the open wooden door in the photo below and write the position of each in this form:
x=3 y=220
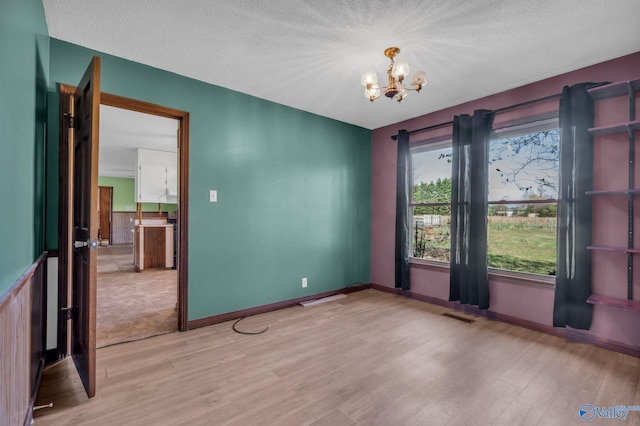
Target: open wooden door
x=86 y=115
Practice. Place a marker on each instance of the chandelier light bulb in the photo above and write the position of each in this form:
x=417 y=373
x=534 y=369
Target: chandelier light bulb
x=372 y=93
x=418 y=80
x=369 y=78
x=400 y=69
x=402 y=92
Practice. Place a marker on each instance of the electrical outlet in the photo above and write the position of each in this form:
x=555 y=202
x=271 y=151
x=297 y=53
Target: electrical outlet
x=304 y=283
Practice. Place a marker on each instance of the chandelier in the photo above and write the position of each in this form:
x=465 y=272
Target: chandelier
x=397 y=72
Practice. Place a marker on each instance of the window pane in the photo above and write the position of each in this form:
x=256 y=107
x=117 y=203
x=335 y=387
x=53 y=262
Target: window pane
x=524 y=167
x=431 y=234
x=431 y=176
x=523 y=238
x=431 y=184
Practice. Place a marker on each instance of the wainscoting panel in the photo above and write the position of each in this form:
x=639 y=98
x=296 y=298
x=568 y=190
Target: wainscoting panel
x=22 y=311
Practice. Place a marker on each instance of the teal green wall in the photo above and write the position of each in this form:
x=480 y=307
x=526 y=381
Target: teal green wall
x=24 y=49
x=124 y=195
x=293 y=188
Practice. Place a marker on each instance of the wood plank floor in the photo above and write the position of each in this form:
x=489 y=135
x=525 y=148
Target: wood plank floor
x=133 y=305
x=370 y=359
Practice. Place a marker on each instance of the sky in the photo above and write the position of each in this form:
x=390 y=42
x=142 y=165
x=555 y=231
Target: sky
x=427 y=167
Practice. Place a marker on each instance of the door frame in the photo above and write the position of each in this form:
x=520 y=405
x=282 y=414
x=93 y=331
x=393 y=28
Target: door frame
x=65 y=202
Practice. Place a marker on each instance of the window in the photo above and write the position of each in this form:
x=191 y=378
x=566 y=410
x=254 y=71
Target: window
x=523 y=192
x=431 y=201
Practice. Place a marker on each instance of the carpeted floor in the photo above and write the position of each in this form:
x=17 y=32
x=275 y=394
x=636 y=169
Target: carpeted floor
x=133 y=305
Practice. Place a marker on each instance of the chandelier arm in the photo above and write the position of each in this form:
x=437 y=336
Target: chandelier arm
x=406 y=87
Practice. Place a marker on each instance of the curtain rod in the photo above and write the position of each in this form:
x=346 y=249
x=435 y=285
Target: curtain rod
x=507 y=108
x=533 y=101
x=435 y=126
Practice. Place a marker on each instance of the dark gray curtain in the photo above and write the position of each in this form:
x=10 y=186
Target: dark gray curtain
x=469 y=281
x=573 y=264
x=403 y=220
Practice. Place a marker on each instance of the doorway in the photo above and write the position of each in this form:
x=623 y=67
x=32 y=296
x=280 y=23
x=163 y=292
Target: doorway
x=136 y=270
x=180 y=214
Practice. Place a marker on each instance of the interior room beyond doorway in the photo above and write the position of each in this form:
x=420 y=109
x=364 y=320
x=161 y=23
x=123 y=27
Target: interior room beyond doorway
x=137 y=266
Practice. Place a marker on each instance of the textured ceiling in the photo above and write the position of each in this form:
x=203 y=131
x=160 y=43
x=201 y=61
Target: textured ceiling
x=310 y=54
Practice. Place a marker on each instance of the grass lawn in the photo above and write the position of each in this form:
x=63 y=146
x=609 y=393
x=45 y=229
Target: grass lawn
x=522 y=249
x=515 y=246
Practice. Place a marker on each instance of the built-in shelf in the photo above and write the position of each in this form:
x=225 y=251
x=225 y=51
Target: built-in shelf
x=615 y=192
x=616 y=302
x=629 y=89
x=612 y=90
x=615 y=248
x=615 y=128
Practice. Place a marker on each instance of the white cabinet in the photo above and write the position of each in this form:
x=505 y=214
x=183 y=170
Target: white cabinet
x=156 y=177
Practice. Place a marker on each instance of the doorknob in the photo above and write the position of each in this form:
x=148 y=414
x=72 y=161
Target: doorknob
x=92 y=243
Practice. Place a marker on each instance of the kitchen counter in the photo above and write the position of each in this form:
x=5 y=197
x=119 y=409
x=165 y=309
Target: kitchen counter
x=153 y=244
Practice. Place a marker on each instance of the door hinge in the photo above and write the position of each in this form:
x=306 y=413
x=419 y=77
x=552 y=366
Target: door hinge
x=69 y=120
x=70 y=312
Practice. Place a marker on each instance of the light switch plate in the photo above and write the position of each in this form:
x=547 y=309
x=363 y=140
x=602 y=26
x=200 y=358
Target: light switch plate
x=213 y=196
